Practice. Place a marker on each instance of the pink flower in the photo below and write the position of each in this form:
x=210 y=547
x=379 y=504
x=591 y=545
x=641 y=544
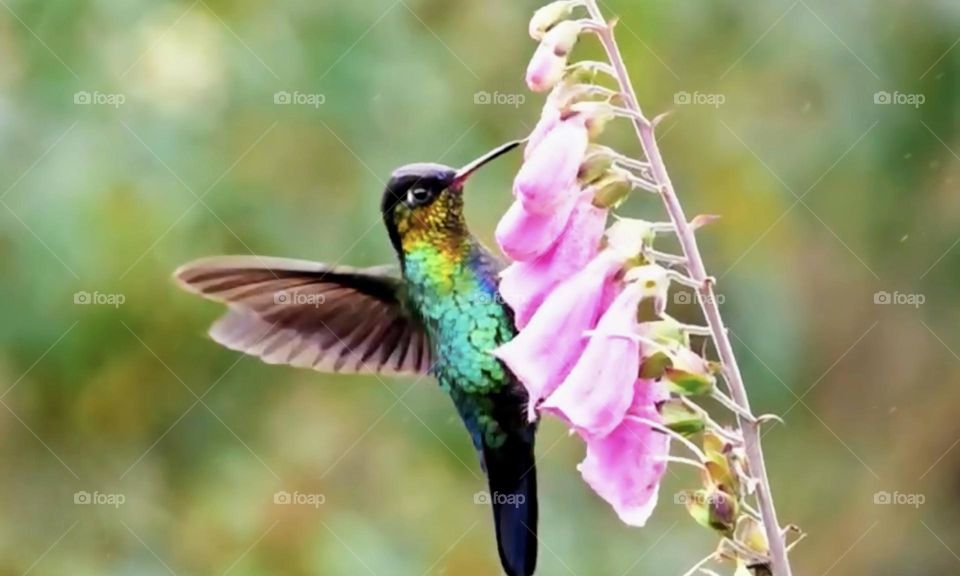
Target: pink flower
x=597 y=393
x=551 y=170
x=625 y=467
x=525 y=285
x=524 y=236
x=545 y=350
x=549 y=119
x=549 y=62
x=545 y=69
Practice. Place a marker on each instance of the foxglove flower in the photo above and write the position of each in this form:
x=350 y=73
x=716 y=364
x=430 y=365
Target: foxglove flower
x=545 y=350
x=625 y=466
x=524 y=235
x=549 y=62
x=525 y=285
x=549 y=119
x=595 y=396
x=551 y=171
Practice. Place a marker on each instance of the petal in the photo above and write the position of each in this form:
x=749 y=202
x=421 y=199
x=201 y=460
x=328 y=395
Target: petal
x=552 y=168
x=544 y=351
x=597 y=393
x=525 y=285
x=524 y=235
x=626 y=466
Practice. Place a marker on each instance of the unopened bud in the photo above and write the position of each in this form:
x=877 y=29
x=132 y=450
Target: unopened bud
x=547 y=17
x=549 y=62
x=628 y=236
x=612 y=189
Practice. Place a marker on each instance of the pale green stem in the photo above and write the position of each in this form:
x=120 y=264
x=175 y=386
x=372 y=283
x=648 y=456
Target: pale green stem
x=780 y=564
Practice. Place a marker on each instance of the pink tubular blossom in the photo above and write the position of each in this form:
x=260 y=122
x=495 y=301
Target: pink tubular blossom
x=625 y=467
x=549 y=62
x=545 y=350
x=597 y=393
x=549 y=119
x=525 y=285
x=545 y=69
x=523 y=236
x=552 y=168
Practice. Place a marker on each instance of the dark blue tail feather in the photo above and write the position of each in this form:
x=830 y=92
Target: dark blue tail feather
x=511 y=471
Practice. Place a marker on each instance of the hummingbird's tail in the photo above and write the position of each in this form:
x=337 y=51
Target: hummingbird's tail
x=512 y=474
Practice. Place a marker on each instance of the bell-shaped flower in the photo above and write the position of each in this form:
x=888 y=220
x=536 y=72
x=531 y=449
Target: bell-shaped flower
x=525 y=285
x=541 y=355
x=552 y=168
x=524 y=235
x=625 y=466
x=549 y=119
x=595 y=396
x=549 y=62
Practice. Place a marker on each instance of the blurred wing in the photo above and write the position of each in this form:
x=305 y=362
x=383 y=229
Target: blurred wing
x=310 y=315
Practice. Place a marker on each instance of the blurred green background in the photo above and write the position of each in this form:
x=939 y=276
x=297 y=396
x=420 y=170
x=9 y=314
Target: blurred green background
x=137 y=135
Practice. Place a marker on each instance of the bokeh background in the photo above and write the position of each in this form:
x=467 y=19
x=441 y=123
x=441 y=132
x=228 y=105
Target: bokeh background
x=137 y=135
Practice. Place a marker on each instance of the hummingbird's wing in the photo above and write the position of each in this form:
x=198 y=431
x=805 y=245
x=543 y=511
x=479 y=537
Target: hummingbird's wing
x=311 y=315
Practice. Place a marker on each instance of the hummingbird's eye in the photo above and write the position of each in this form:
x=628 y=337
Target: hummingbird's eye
x=417 y=196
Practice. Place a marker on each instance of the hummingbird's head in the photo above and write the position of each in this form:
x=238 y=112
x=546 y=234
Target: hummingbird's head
x=424 y=202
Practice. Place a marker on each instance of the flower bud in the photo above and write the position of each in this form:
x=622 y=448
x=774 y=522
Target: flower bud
x=611 y=190
x=628 y=237
x=549 y=62
x=545 y=69
x=680 y=418
x=547 y=17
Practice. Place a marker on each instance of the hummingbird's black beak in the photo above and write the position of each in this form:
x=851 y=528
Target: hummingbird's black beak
x=469 y=169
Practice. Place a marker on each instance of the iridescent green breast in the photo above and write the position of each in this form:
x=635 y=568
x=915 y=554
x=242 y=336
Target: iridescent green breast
x=455 y=293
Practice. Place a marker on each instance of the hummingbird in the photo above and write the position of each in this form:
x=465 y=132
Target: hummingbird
x=440 y=315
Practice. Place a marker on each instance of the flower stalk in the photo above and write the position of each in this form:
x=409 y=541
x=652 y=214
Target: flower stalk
x=779 y=563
